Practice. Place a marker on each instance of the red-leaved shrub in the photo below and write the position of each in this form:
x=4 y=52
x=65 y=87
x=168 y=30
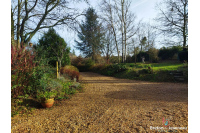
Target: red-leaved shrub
x=21 y=69
x=71 y=71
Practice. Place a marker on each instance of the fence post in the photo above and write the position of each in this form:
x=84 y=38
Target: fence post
x=57 y=69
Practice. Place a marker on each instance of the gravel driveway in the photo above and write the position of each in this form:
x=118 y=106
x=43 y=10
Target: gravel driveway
x=113 y=105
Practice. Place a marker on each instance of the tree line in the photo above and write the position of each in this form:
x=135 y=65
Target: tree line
x=118 y=31
x=115 y=30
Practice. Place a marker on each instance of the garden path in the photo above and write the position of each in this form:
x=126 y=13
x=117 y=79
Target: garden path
x=110 y=104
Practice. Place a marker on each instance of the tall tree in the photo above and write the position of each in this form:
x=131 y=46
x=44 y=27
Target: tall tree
x=151 y=35
x=136 y=50
x=73 y=52
x=121 y=21
x=18 y=22
x=33 y=16
x=173 y=18
x=90 y=35
x=109 y=18
x=109 y=45
x=127 y=24
x=143 y=42
x=12 y=28
x=141 y=33
x=53 y=47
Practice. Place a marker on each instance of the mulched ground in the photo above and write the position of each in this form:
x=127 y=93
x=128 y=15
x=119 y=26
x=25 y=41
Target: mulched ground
x=112 y=105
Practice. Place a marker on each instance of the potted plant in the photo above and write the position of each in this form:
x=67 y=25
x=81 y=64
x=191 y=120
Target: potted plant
x=46 y=98
x=47 y=91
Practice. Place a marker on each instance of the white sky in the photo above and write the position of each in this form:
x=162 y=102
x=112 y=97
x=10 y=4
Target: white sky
x=144 y=9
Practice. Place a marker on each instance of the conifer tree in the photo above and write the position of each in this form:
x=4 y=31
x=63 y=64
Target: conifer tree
x=90 y=35
x=53 y=48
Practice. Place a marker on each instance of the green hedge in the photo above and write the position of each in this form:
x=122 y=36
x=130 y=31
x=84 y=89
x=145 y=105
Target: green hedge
x=183 y=56
x=109 y=70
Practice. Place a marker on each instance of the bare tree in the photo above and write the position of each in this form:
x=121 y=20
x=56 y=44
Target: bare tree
x=136 y=49
x=151 y=34
x=12 y=28
x=109 y=45
x=173 y=18
x=36 y=15
x=120 y=20
x=141 y=33
x=127 y=22
x=109 y=17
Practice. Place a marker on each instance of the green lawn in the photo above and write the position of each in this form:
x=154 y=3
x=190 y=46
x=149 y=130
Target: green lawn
x=155 y=66
x=159 y=72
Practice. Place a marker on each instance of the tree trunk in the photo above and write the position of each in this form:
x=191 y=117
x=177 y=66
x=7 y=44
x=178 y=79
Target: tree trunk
x=124 y=20
x=118 y=57
x=122 y=3
x=122 y=49
x=93 y=54
x=116 y=42
x=184 y=28
x=107 y=54
x=59 y=66
x=18 y=23
x=135 y=53
x=12 y=29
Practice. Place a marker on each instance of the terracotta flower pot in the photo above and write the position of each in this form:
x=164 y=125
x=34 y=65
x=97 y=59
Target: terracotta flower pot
x=47 y=103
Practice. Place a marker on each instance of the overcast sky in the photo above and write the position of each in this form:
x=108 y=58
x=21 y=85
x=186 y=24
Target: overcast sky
x=144 y=9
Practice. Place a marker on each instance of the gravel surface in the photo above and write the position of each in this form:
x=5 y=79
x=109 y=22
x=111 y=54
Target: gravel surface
x=113 y=105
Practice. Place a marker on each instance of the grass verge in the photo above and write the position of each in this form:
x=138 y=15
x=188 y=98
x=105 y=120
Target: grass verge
x=154 y=72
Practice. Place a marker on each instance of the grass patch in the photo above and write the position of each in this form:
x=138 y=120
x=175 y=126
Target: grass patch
x=155 y=72
x=155 y=66
x=158 y=76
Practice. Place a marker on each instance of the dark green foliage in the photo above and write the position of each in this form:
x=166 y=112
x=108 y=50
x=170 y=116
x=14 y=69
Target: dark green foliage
x=114 y=59
x=109 y=70
x=145 y=71
x=142 y=54
x=52 y=48
x=158 y=72
x=40 y=72
x=65 y=90
x=131 y=65
x=83 y=64
x=73 y=52
x=143 y=42
x=89 y=63
x=129 y=59
x=146 y=75
x=183 y=55
x=66 y=58
x=90 y=35
x=153 y=55
x=165 y=54
x=168 y=53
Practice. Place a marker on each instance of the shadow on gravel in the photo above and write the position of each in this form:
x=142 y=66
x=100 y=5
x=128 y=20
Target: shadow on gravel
x=32 y=103
x=168 y=95
x=137 y=90
x=110 y=81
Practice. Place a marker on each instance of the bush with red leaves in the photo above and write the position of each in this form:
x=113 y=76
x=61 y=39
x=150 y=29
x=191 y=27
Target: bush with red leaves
x=22 y=64
x=71 y=71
